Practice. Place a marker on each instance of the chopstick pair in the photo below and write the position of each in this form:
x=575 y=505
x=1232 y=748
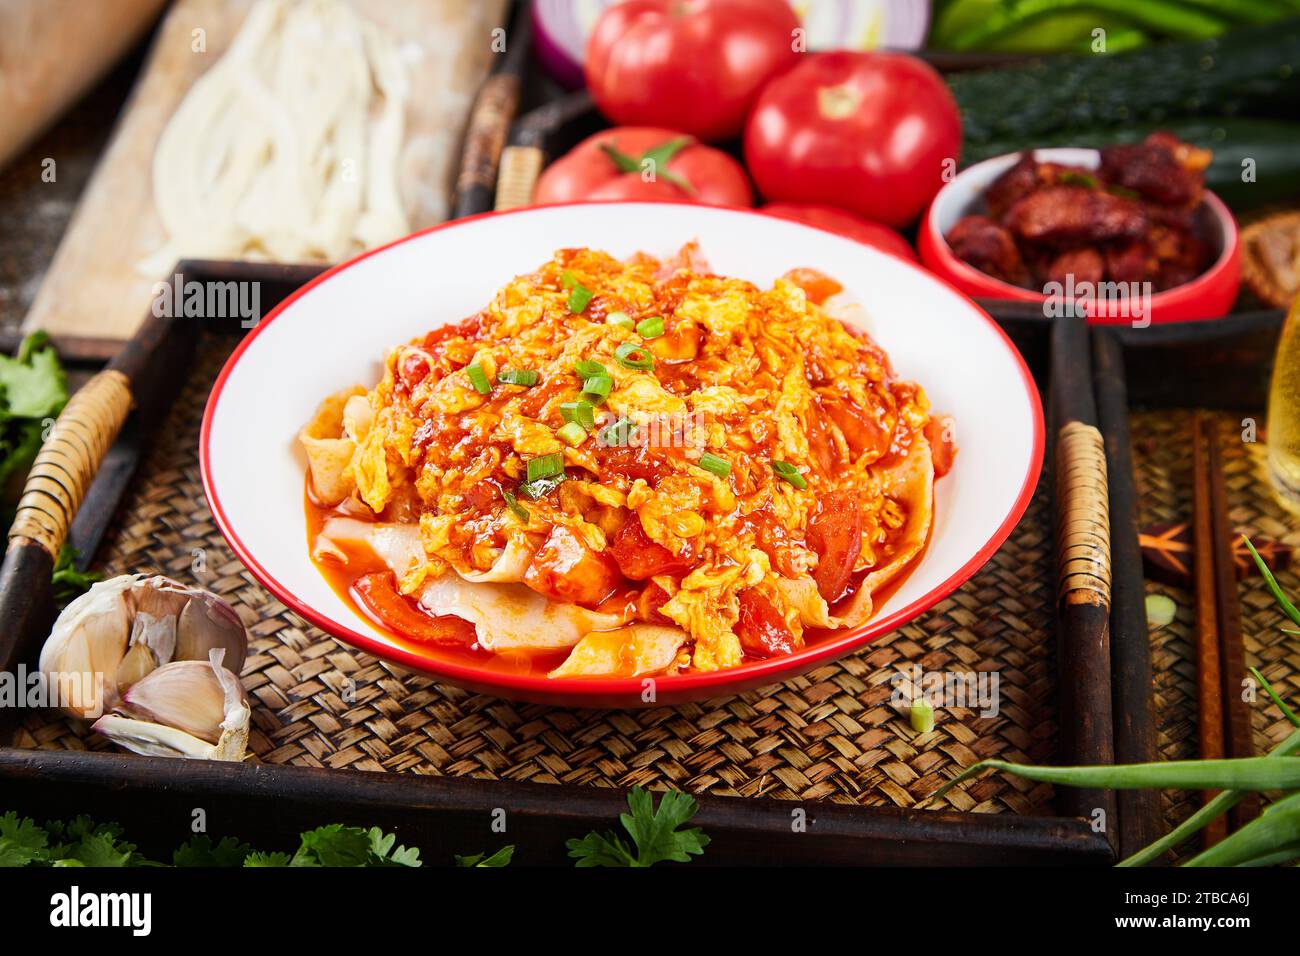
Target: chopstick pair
x=1224 y=718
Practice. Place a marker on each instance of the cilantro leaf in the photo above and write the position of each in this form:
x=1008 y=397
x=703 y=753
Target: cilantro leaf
x=21 y=840
x=501 y=857
x=200 y=851
x=100 y=850
x=333 y=845
x=257 y=859
x=34 y=383
x=68 y=581
x=655 y=833
x=382 y=852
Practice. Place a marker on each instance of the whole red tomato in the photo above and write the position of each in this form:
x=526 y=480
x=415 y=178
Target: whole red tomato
x=867 y=132
x=846 y=224
x=693 y=65
x=632 y=162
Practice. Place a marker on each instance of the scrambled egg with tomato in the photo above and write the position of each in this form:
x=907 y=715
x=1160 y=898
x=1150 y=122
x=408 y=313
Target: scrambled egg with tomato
x=639 y=465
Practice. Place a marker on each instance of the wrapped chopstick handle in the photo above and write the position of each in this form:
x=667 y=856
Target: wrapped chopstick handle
x=1083 y=516
x=520 y=168
x=68 y=461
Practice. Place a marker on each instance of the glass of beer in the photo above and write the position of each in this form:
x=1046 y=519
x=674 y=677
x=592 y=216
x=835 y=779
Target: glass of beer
x=1284 y=415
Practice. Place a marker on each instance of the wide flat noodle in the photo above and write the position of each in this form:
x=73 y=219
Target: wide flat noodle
x=911 y=484
x=513 y=616
x=627 y=652
x=329 y=451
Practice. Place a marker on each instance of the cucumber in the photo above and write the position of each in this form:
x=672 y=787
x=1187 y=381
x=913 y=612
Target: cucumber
x=1250 y=71
x=1273 y=145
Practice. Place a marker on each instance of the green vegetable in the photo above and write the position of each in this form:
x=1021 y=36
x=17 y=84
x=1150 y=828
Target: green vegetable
x=1272 y=837
x=788 y=472
x=921 y=715
x=651 y=328
x=1160 y=610
x=1034 y=23
x=513 y=504
x=580 y=413
x=719 y=466
x=478 y=378
x=501 y=857
x=545 y=466
x=68 y=581
x=572 y=434
x=634 y=356
x=598 y=387
x=526 y=377
x=1250 y=71
x=655 y=833
x=621 y=319
x=82 y=842
x=618 y=434
x=1238 y=143
x=589 y=369
x=33 y=389
x=579 y=296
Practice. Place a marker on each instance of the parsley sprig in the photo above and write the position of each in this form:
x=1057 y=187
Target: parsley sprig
x=655 y=834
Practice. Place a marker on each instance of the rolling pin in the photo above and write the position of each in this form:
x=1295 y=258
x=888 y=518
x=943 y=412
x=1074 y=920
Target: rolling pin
x=52 y=51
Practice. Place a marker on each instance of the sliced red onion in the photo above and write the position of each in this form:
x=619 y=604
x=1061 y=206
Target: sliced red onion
x=561 y=28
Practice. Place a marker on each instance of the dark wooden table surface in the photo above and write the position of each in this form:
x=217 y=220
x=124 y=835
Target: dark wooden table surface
x=34 y=212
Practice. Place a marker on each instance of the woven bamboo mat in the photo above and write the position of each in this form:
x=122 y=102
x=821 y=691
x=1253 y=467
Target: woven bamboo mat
x=831 y=734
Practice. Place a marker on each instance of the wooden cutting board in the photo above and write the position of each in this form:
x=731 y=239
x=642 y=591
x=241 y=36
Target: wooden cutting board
x=94 y=286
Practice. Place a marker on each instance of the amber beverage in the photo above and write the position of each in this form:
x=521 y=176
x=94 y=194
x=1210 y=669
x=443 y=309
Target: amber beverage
x=1284 y=415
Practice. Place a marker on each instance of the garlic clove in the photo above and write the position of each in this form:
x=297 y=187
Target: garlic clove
x=138 y=662
x=87 y=646
x=185 y=709
x=207 y=622
x=188 y=695
x=153 y=740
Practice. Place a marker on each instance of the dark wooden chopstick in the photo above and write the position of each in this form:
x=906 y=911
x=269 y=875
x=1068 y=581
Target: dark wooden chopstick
x=1224 y=720
x=1232 y=649
x=1130 y=644
x=1209 y=685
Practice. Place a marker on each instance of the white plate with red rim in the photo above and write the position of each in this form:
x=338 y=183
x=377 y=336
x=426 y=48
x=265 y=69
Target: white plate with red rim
x=336 y=331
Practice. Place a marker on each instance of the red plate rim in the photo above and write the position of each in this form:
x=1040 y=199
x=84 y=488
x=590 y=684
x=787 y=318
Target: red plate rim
x=722 y=682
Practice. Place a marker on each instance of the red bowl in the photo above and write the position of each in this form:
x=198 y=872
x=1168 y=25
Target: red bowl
x=1208 y=296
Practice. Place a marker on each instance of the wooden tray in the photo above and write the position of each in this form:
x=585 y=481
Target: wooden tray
x=1209 y=362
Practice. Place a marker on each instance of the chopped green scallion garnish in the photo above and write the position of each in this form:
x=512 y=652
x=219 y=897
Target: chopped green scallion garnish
x=621 y=319
x=478 y=378
x=719 y=466
x=579 y=296
x=651 y=328
x=513 y=504
x=572 y=434
x=546 y=466
x=588 y=369
x=618 y=434
x=788 y=472
x=634 y=356
x=598 y=387
x=526 y=377
x=580 y=413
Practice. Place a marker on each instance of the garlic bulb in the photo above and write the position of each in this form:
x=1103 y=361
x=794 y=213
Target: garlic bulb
x=121 y=630
x=188 y=709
